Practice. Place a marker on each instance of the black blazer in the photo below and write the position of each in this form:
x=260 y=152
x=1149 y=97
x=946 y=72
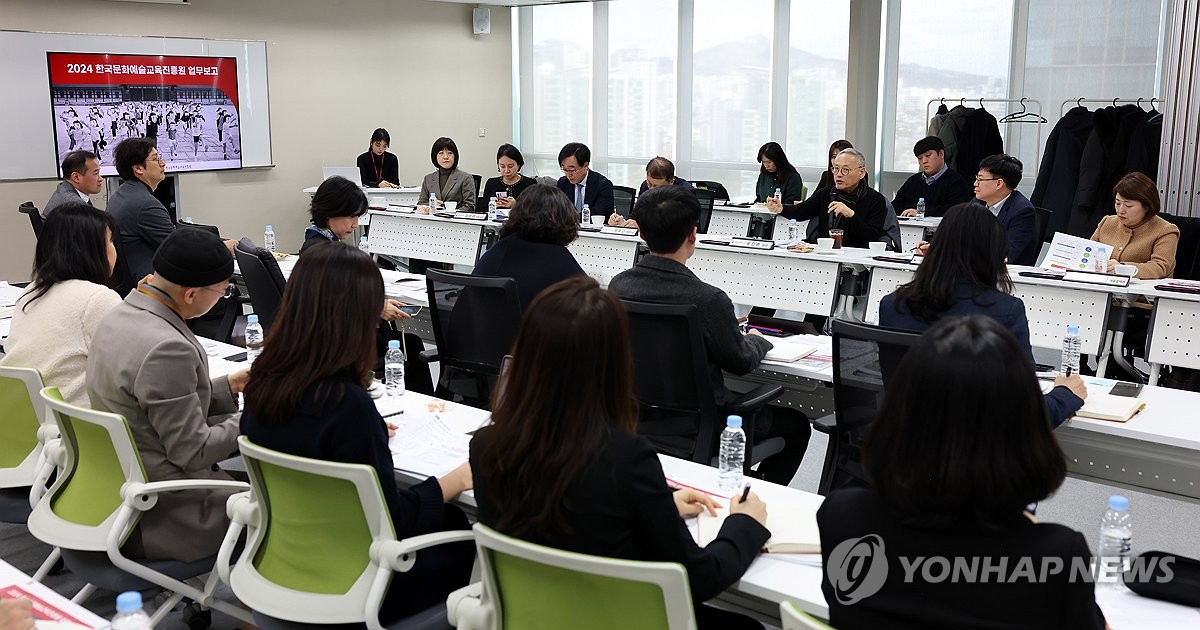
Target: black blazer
x=143 y=223
x=1056 y=603
x=664 y=281
x=533 y=265
x=867 y=224
x=371 y=172
x=1019 y=219
x=597 y=193
x=621 y=507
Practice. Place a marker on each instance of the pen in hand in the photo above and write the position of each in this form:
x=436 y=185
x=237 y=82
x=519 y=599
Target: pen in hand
x=745 y=493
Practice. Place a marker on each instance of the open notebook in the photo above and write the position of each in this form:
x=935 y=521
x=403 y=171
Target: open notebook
x=790 y=349
x=793 y=528
x=1109 y=407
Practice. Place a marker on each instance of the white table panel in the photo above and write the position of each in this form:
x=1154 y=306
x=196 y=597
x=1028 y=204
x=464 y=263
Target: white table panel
x=770 y=279
x=603 y=256
x=725 y=221
x=1175 y=333
x=426 y=237
x=884 y=280
x=1051 y=308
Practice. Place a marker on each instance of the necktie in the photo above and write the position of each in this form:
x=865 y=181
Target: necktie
x=579 y=196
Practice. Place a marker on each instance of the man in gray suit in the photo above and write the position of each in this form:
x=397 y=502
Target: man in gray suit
x=81 y=178
x=146 y=365
x=141 y=218
x=667 y=218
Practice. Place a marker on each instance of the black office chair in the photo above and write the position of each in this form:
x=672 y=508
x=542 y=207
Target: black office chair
x=677 y=409
x=221 y=319
x=864 y=358
x=891 y=229
x=623 y=197
x=706 y=199
x=200 y=226
x=479 y=187
x=475 y=321
x=264 y=281
x=1187 y=254
x=35 y=217
x=716 y=188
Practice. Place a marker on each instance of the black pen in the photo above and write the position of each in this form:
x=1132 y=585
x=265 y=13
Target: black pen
x=745 y=493
x=1068 y=371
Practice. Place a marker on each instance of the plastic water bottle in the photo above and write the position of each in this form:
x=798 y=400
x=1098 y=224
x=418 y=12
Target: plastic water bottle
x=254 y=338
x=189 y=220
x=779 y=195
x=130 y=614
x=733 y=455
x=268 y=238
x=1070 y=351
x=793 y=231
x=921 y=208
x=364 y=245
x=393 y=369
x=1102 y=260
x=585 y=216
x=492 y=209
x=433 y=202
x=1116 y=534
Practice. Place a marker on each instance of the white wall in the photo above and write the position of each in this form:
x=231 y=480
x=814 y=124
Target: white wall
x=338 y=70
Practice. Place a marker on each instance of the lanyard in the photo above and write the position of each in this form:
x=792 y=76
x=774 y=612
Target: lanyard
x=159 y=296
x=378 y=169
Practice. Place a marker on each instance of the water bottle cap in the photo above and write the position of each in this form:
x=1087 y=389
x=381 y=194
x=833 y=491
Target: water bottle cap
x=268 y=227
x=252 y=319
x=1118 y=502
x=1072 y=329
x=362 y=239
x=920 y=200
x=734 y=421
x=129 y=601
x=393 y=344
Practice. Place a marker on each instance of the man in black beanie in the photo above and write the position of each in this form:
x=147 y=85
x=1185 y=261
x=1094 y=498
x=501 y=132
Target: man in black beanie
x=146 y=365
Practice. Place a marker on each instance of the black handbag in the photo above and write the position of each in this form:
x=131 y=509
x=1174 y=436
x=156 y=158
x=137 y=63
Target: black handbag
x=1166 y=576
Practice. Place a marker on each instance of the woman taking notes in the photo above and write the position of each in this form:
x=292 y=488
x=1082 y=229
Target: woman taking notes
x=961 y=450
x=511 y=182
x=448 y=182
x=55 y=318
x=377 y=167
x=561 y=465
x=307 y=396
x=1139 y=236
x=964 y=274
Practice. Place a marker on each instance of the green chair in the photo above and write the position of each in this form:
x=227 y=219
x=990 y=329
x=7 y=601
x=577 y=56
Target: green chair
x=320 y=546
x=796 y=619
x=96 y=502
x=532 y=587
x=24 y=431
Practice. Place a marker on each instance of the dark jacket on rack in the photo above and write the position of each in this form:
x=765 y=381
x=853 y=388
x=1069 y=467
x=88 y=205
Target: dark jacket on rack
x=1093 y=194
x=1144 y=143
x=1058 y=176
x=980 y=138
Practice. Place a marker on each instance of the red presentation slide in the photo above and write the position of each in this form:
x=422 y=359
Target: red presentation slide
x=188 y=105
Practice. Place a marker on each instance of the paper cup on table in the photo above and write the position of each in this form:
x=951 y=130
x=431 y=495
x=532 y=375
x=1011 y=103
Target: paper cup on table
x=877 y=247
x=1126 y=270
x=451 y=206
x=824 y=245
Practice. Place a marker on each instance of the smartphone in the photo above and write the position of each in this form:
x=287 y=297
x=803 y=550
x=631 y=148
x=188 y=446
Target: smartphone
x=241 y=356
x=410 y=310
x=1124 y=388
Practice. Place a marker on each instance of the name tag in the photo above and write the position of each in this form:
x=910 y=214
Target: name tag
x=751 y=243
x=620 y=231
x=1111 y=280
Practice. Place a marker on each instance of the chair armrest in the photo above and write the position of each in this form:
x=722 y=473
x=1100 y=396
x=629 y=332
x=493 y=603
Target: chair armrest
x=429 y=356
x=143 y=496
x=399 y=555
x=825 y=424
x=754 y=398
x=242 y=510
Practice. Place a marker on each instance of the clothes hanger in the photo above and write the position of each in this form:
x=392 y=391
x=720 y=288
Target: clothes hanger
x=1024 y=116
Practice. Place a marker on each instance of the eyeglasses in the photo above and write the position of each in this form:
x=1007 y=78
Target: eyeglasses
x=570 y=171
x=985 y=179
x=843 y=170
x=228 y=293
x=156 y=158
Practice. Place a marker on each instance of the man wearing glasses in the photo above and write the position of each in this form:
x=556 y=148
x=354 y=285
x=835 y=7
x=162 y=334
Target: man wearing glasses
x=849 y=205
x=141 y=218
x=996 y=188
x=582 y=185
x=146 y=365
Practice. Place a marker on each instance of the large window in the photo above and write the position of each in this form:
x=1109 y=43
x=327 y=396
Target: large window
x=816 y=83
x=561 y=75
x=952 y=50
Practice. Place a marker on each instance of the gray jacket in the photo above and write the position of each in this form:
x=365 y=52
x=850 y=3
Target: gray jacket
x=146 y=365
x=63 y=193
x=460 y=187
x=144 y=224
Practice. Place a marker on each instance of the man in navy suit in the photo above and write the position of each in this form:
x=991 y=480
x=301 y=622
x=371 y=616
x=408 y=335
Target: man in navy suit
x=582 y=185
x=996 y=187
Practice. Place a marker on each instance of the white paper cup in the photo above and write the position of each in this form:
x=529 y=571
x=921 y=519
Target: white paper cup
x=824 y=244
x=451 y=205
x=877 y=247
x=597 y=219
x=1126 y=270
